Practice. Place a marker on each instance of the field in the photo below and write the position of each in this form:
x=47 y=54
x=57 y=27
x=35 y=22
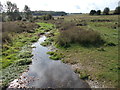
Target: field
x=88 y=43
x=97 y=63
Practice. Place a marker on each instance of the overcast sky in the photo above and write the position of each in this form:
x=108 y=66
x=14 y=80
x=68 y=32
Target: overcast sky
x=69 y=6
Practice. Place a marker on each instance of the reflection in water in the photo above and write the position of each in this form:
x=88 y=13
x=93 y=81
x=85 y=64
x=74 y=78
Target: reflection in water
x=50 y=73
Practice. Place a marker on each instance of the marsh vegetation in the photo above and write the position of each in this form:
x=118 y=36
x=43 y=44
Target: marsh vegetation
x=87 y=42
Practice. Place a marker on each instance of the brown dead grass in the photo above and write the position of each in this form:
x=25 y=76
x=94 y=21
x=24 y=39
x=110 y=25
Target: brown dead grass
x=15 y=27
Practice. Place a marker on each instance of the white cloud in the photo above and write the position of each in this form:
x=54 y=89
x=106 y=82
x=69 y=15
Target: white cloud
x=66 y=5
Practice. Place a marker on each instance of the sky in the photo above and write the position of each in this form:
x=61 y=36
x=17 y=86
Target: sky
x=69 y=6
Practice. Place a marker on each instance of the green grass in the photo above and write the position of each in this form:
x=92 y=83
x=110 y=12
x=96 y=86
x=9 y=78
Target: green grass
x=48 y=41
x=46 y=26
x=16 y=55
x=100 y=63
x=11 y=51
x=55 y=55
x=82 y=74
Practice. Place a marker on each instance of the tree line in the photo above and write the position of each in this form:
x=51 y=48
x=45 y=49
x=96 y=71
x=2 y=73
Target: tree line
x=105 y=11
x=10 y=12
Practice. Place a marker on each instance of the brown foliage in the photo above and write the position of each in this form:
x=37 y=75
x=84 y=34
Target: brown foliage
x=69 y=33
x=15 y=27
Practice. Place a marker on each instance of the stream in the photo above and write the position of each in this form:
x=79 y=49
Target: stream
x=47 y=73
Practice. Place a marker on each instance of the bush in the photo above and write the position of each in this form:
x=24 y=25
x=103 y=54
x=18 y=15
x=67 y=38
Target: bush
x=75 y=34
x=9 y=29
x=47 y=17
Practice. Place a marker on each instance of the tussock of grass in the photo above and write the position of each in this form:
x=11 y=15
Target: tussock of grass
x=83 y=75
x=25 y=61
x=26 y=54
x=55 y=55
x=47 y=42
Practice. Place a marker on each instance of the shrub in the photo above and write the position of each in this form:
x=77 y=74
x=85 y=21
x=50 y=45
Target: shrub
x=47 y=17
x=73 y=34
x=9 y=29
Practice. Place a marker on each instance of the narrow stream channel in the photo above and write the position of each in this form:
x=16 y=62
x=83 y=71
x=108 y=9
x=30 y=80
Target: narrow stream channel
x=47 y=73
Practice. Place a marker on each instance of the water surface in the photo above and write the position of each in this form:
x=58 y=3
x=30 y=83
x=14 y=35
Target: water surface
x=45 y=73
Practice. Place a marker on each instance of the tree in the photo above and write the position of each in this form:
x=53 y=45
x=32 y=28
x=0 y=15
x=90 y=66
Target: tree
x=98 y=12
x=92 y=12
x=12 y=11
x=28 y=13
x=1 y=7
x=106 y=11
x=117 y=10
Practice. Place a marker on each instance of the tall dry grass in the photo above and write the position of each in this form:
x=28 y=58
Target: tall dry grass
x=15 y=27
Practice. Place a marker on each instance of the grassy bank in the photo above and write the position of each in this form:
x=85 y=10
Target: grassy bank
x=97 y=63
x=16 y=49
